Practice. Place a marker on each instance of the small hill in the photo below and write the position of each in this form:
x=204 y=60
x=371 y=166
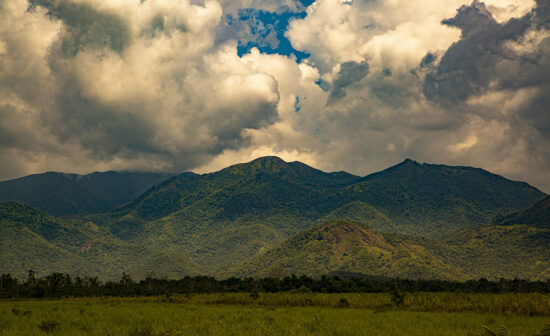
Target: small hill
x=345 y=246
x=342 y=247
x=63 y=194
x=537 y=215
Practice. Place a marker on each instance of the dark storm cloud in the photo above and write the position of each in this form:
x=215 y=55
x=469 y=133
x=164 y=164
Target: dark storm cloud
x=428 y=60
x=350 y=73
x=484 y=60
x=511 y=59
x=468 y=66
x=86 y=27
x=104 y=130
x=472 y=19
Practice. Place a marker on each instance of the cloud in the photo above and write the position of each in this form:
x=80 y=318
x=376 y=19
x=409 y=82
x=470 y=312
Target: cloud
x=349 y=73
x=384 y=33
x=85 y=26
x=123 y=84
x=465 y=68
x=471 y=96
x=157 y=88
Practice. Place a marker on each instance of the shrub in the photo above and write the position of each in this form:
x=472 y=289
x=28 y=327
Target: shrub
x=49 y=326
x=343 y=303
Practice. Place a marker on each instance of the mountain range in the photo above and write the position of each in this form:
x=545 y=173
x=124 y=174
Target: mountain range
x=64 y=194
x=271 y=217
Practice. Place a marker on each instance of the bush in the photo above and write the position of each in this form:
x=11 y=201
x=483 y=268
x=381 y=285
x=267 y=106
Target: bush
x=49 y=326
x=343 y=303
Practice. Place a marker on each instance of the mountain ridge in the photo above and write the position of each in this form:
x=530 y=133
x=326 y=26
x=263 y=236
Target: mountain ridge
x=210 y=223
x=211 y=214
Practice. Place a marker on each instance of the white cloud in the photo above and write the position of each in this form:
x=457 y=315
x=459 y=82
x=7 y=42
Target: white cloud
x=464 y=145
x=395 y=34
x=504 y=10
x=153 y=87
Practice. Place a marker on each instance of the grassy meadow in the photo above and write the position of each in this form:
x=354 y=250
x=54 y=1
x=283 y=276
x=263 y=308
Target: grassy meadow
x=279 y=314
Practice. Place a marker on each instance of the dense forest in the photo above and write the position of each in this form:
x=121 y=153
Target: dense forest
x=57 y=285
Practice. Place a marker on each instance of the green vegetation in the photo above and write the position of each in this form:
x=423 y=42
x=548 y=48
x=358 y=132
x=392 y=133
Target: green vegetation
x=157 y=316
x=518 y=251
x=346 y=247
x=59 y=285
x=533 y=304
x=228 y=217
x=263 y=217
x=435 y=200
x=35 y=240
x=32 y=239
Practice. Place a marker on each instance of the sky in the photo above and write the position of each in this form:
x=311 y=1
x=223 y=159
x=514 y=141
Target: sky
x=354 y=85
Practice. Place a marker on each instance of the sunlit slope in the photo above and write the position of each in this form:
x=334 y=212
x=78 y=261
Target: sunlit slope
x=345 y=247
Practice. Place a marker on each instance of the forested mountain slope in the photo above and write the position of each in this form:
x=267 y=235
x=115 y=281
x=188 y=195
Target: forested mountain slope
x=232 y=215
x=211 y=223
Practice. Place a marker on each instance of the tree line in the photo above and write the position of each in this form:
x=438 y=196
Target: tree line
x=57 y=285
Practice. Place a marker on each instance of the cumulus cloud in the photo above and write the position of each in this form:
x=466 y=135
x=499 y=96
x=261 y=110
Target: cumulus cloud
x=156 y=88
x=473 y=95
x=160 y=85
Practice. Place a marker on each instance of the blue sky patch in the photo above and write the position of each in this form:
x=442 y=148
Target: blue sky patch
x=267 y=31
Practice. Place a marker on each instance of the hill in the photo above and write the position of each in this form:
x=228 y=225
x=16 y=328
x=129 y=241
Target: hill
x=342 y=247
x=435 y=200
x=346 y=246
x=32 y=239
x=495 y=251
x=63 y=194
x=230 y=216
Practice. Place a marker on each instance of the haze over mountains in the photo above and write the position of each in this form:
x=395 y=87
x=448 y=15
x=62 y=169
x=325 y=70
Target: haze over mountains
x=270 y=217
x=62 y=194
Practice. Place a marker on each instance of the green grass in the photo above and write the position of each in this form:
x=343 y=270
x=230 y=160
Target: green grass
x=532 y=304
x=269 y=314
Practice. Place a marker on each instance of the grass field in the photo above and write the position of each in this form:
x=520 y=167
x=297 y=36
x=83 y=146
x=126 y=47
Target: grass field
x=275 y=314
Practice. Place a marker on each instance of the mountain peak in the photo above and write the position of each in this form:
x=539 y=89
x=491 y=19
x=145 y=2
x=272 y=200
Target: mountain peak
x=265 y=164
x=268 y=160
x=411 y=162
